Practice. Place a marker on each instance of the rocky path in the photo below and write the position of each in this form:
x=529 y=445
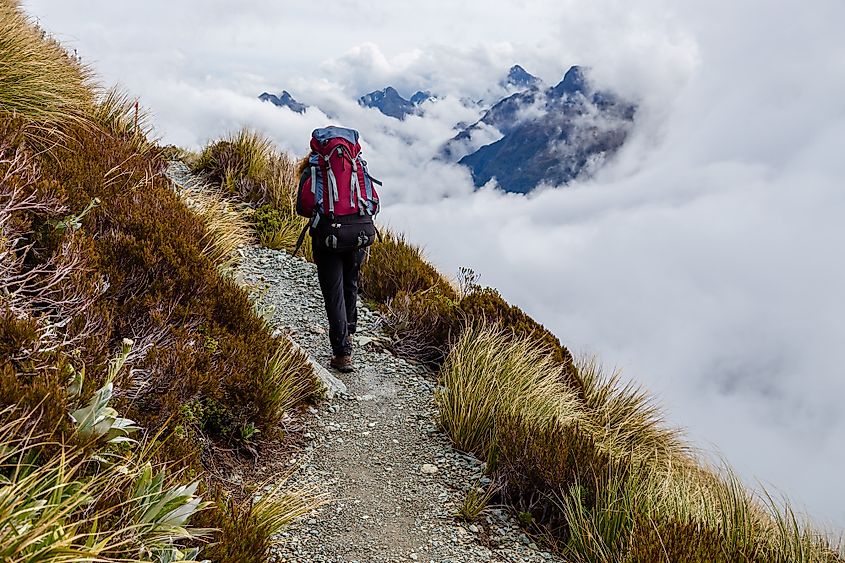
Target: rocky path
x=394 y=480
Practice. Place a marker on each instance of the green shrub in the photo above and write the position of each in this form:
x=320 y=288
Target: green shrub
x=395 y=265
x=280 y=229
x=422 y=325
x=486 y=305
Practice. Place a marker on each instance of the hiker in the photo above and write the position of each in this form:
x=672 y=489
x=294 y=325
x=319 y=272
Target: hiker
x=337 y=193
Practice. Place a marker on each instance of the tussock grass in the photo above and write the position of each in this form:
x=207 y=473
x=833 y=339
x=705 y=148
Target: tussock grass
x=287 y=381
x=247 y=164
x=625 y=420
x=39 y=81
x=281 y=181
x=584 y=457
x=283 y=233
x=490 y=377
x=601 y=516
x=487 y=306
x=424 y=312
x=476 y=501
x=228 y=224
x=121 y=115
x=250 y=526
x=239 y=158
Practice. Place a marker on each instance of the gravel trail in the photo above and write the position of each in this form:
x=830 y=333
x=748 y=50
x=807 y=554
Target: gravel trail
x=394 y=480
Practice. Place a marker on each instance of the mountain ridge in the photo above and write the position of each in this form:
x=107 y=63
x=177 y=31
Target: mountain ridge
x=389 y=102
x=549 y=136
x=284 y=100
x=532 y=136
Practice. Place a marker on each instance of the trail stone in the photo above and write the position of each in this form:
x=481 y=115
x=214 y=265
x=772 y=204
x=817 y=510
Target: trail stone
x=332 y=384
x=429 y=469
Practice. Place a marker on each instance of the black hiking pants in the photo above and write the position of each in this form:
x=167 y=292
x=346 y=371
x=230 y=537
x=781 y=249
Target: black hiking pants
x=338 y=275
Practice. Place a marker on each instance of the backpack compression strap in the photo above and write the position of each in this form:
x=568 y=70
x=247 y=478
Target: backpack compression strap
x=311 y=224
x=333 y=194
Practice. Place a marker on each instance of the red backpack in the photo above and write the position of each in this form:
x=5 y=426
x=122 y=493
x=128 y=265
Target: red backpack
x=337 y=192
x=336 y=182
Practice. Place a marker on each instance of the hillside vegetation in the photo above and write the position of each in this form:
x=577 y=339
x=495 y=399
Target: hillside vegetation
x=131 y=365
x=134 y=370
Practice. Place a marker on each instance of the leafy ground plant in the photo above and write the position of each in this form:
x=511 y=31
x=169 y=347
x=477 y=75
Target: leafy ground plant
x=57 y=504
x=250 y=525
x=475 y=503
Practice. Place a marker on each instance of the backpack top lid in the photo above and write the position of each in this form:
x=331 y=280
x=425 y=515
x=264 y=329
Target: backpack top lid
x=325 y=134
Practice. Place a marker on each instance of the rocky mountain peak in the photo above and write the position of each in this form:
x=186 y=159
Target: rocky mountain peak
x=283 y=100
x=575 y=80
x=391 y=103
x=518 y=77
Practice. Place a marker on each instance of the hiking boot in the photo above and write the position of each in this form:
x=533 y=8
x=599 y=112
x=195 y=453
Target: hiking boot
x=342 y=364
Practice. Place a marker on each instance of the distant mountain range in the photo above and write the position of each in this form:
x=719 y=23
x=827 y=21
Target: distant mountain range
x=391 y=103
x=538 y=135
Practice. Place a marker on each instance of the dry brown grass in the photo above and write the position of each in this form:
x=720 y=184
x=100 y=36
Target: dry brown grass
x=39 y=81
x=228 y=223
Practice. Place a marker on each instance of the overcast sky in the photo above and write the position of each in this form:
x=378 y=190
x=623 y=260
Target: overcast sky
x=705 y=261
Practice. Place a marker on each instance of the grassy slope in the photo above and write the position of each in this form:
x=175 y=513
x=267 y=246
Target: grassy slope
x=97 y=255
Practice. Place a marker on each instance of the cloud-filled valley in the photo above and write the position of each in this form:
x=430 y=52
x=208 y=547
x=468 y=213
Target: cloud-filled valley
x=703 y=259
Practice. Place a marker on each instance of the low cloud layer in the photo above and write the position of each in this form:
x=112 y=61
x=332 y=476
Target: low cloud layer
x=703 y=261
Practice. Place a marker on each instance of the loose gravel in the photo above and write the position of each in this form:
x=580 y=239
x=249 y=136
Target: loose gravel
x=394 y=480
